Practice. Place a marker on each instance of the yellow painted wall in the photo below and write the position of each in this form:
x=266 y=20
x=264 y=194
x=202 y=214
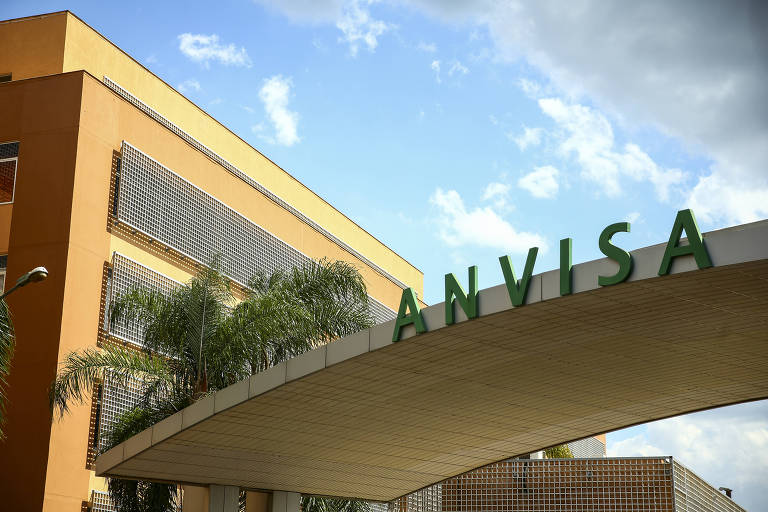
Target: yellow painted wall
x=34 y=46
x=40 y=459
x=119 y=120
x=87 y=49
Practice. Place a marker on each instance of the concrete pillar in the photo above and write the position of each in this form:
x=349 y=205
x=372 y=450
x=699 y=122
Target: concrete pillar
x=286 y=501
x=257 y=501
x=194 y=499
x=223 y=498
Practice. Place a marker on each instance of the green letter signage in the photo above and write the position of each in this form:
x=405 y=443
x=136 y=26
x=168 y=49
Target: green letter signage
x=518 y=290
x=468 y=302
x=685 y=220
x=566 y=250
x=620 y=256
x=408 y=302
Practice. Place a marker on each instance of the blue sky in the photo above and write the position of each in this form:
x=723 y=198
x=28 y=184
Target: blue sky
x=456 y=132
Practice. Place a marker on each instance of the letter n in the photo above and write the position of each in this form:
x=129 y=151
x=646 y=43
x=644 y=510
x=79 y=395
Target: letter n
x=453 y=290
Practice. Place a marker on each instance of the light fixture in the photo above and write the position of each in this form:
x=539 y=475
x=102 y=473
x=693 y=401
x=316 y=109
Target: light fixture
x=35 y=275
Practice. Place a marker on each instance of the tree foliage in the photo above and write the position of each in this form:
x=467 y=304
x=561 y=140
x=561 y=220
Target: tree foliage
x=560 y=451
x=199 y=339
x=7 y=342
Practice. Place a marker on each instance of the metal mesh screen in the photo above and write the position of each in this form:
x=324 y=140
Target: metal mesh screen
x=587 y=448
x=7 y=179
x=161 y=204
x=127 y=274
x=244 y=177
x=605 y=484
x=100 y=502
x=114 y=400
x=693 y=494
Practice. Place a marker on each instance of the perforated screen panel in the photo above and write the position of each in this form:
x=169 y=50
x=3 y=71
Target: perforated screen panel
x=100 y=502
x=125 y=275
x=161 y=204
x=693 y=494
x=114 y=400
x=243 y=176
x=587 y=448
x=606 y=485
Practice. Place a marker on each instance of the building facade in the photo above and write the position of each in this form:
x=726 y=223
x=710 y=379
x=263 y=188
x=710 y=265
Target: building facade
x=111 y=178
x=610 y=484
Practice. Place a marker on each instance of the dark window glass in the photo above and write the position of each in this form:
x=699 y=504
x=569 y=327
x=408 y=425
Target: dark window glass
x=5 y=78
x=9 y=150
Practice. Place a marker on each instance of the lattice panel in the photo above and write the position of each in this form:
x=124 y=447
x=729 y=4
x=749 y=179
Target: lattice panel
x=605 y=485
x=7 y=179
x=114 y=400
x=100 y=502
x=693 y=494
x=158 y=202
x=587 y=448
x=243 y=176
x=127 y=274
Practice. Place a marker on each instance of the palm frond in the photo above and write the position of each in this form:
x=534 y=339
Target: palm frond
x=82 y=370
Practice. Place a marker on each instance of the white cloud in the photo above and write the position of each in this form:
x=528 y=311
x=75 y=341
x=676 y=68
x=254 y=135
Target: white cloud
x=531 y=88
x=495 y=190
x=152 y=59
x=529 y=137
x=358 y=27
x=480 y=227
x=189 y=85
x=542 y=182
x=499 y=194
x=457 y=68
x=633 y=217
x=727 y=447
x=435 y=66
x=588 y=135
x=723 y=196
x=275 y=95
x=427 y=47
x=312 y=11
x=204 y=48
x=696 y=71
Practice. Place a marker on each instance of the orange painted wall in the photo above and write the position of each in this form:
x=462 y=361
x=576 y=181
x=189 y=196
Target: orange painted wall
x=43 y=115
x=34 y=46
x=6 y=213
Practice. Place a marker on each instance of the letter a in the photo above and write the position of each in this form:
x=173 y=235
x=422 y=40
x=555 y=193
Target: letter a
x=408 y=302
x=685 y=220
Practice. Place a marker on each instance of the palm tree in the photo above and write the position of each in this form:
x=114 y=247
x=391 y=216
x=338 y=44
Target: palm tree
x=199 y=339
x=7 y=341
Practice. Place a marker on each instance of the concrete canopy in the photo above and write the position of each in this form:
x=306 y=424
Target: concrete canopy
x=367 y=418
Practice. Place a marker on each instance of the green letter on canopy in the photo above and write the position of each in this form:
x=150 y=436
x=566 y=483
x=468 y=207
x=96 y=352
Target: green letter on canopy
x=566 y=281
x=468 y=302
x=518 y=290
x=685 y=220
x=620 y=256
x=408 y=302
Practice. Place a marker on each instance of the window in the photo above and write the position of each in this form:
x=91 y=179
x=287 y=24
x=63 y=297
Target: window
x=3 y=267
x=5 y=77
x=9 y=157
